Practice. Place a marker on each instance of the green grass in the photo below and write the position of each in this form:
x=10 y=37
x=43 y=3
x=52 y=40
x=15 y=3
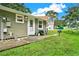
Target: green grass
x=64 y=45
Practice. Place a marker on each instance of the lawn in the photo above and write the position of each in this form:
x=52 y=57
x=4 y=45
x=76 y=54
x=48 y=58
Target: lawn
x=64 y=45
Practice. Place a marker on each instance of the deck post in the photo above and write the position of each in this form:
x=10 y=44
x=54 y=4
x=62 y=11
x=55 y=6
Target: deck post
x=2 y=35
x=2 y=31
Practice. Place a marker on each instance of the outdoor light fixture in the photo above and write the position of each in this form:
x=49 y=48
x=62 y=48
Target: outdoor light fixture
x=26 y=17
x=4 y=19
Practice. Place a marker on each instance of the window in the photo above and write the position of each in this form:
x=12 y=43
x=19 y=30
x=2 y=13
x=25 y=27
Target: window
x=31 y=23
x=40 y=24
x=19 y=18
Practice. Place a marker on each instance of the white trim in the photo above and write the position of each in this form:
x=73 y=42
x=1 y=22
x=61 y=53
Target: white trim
x=42 y=24
x=22 y=18
x=31 y=30
x=2 y=35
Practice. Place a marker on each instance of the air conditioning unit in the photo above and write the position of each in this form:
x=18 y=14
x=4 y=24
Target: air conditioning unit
x=8 y=24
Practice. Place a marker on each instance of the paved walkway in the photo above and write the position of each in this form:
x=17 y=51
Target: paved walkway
x=12 y=43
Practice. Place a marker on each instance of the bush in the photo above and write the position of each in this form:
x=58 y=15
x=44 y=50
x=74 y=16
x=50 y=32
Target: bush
x=72 y=32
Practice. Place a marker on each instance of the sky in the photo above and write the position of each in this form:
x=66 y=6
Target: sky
x=39 y=9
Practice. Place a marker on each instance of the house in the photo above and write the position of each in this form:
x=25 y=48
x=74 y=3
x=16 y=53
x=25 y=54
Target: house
x=50 y=22
x=43 y=17
x=18 y=24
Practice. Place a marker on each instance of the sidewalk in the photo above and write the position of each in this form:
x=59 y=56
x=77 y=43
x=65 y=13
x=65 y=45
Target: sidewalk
x=12 y=43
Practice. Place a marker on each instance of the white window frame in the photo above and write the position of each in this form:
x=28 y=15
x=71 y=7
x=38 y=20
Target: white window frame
x=17 y=19
x=42 y=24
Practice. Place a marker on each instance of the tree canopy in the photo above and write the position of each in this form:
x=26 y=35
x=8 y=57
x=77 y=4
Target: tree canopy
x=72 y=17
x=51 y=13
x=17 y=6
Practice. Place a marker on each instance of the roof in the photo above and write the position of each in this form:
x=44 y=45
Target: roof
x=16 y=11
x=43 y=17
x=13 y=10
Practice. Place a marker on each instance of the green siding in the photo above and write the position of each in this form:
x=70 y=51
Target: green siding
x=17 y=29
x=37 y=26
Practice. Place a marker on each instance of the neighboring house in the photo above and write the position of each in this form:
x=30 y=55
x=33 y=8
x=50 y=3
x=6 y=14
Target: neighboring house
x=15 y=23
x=50 y=23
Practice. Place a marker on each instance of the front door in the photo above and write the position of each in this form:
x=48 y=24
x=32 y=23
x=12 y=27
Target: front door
x=31 y=27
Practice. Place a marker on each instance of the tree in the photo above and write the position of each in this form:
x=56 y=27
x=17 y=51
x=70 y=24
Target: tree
x=59 y=22
x=52 y=16
x=17 y=6
x=72 y=17
x=51 y=13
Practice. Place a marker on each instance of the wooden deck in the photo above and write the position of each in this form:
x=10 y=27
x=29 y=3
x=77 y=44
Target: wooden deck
x=12 y=43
